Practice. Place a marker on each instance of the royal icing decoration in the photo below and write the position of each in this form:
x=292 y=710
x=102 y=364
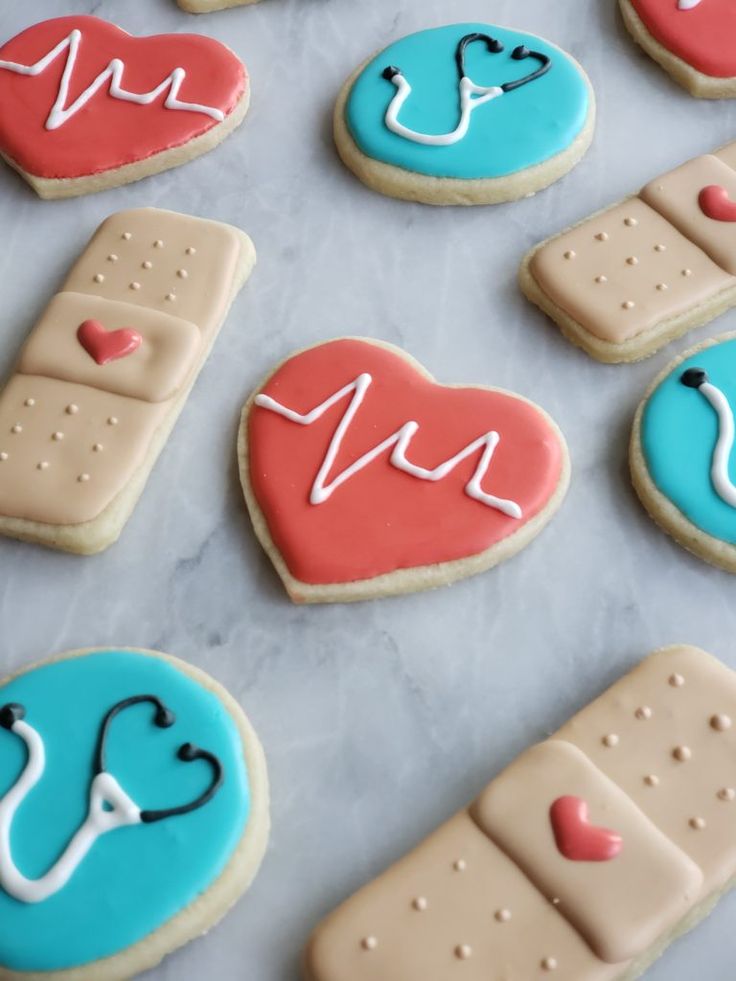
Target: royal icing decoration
x=88 y=401
x=715 y=202
x=637 y=274
x=689 y=416
x=724 y=487
x=699 y=33
x=82 y=96
x=520 y=883
x=354 y=453
x=110 y=807
x=112 y=821
x=112 y=77
x=431 y=125
x=471 y=95
x=576 y=838
x=399 y=442
x=105 y=346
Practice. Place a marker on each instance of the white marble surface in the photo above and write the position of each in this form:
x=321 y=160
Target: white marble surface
x=381 y=719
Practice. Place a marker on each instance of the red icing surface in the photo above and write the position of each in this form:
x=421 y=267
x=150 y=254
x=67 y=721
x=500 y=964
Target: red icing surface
x=704 y=37
x=716 y=204
x=105 y=346
x=383 y=519
x=107 y=132
x=577 y=839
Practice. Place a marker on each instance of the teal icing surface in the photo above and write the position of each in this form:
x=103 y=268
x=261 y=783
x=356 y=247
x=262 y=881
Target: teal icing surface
x=679 y=431
x=135 y=878
x=511 y=133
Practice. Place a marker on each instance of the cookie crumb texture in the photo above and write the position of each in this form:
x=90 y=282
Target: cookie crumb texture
x=574 y=907
x=630 y=279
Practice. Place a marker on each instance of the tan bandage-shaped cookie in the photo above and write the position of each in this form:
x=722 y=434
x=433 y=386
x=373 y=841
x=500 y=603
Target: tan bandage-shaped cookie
x=634 y=277
x=582 y=860
x=104 y=374
x=207 y=6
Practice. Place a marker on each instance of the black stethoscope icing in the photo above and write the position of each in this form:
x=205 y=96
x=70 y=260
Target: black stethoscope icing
x=471 y=95
x=109 y=806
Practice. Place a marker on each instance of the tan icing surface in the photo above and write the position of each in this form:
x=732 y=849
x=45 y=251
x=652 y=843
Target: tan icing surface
x=58 y=493
x=67 y=461
x=727 y=154
x=423 y=945
x=680 y=717
x=153 y=373
x=588 y=272
x=627 y=734
x=201 y=296
x=639 y=894
x=675 y=195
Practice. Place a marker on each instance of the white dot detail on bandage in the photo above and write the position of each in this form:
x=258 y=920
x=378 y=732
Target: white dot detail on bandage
x=398 y=442
x=719 y=475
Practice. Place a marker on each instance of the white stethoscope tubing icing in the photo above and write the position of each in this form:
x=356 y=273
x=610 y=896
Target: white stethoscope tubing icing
x=719 y=471
x=109 y=806
x=471 y=95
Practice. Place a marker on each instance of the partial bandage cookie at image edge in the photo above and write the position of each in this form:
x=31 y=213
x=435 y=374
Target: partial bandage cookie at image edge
x=109 y=364
x=647 y=270
x=582 y=860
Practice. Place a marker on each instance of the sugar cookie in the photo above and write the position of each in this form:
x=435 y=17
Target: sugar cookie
x=682 y=449
x=151 y=103
x=584 y=859
x=106 y=371
x=630 y=279
x=364 y=477
x=690 y=39
x=465 y=114
x=146 y=819
x=207 y=6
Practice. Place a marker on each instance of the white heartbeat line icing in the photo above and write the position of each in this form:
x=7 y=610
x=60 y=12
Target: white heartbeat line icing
x=687 y=4
x=59 y=115
x=400 y=441
x=724 y=487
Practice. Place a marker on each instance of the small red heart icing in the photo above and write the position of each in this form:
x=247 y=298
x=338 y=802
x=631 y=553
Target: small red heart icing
x=335 y=524
x=105 y=346
x=701 y=35
x=715 y=203
x=50 y=138
x=577 y=839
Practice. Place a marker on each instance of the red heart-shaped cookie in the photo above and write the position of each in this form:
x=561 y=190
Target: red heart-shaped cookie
x=715 y=203
x=576 y=838
x=701 y=35
x=357 y=465
x=123 y=99
x=105 y=346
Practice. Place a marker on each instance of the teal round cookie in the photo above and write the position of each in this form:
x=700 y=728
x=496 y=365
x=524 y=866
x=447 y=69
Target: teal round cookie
x=467 y=103
x=126 y=793
x=687 y=439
